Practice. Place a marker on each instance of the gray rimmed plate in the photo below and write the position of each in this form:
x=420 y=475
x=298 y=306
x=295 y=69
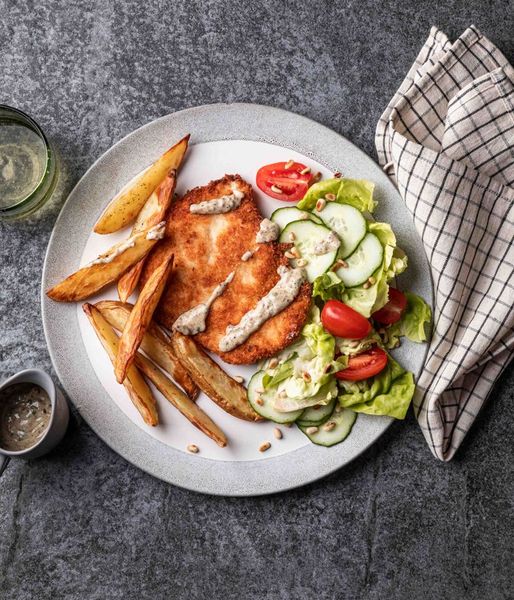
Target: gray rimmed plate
x=225 y=138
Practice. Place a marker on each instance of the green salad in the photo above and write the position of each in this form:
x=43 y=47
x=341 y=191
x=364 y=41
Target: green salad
x=341 y=365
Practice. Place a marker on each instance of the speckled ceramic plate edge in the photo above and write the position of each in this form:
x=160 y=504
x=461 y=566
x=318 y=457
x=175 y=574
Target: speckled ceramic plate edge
x=73 y=226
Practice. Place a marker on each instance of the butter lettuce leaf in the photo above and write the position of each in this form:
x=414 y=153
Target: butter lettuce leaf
x=317 y=191
x=357 y=193
x=389 y=393
x=414 y=323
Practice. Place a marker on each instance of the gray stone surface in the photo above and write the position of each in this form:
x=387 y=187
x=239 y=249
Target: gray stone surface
x=82 y=523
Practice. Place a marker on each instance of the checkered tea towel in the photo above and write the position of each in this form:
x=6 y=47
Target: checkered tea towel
x=447 y=139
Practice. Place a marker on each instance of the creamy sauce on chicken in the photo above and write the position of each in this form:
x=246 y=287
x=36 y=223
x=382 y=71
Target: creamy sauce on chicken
x=221 y=205
x=279 y=297
x=268 y=232
x=25 y=411
x=155 y=233
x=247 y=255
x=194 y=320
x=329 y=244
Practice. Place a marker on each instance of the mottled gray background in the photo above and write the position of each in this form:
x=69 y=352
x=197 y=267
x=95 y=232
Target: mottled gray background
x=82 y=523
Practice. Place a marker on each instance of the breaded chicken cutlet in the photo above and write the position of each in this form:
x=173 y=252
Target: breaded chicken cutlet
x=207 y=248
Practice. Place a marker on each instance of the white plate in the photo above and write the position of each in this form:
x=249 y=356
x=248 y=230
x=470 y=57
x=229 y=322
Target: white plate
x=81 y=362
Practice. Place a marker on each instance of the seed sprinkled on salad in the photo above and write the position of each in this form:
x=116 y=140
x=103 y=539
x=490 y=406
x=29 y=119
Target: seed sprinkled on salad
x=320 y=204
x=311 y=430
x=292 y=236
x=330 y=197
x=193 y=448
x=295 y=252
x=264 y=446
x=289 y=254
x=277 y=433
x=302 y=262
x=289 y=164
x=273 y=363
x=372 y=281
x=305 y=171
x=276 y=189
x=239 y=379
x=329 y=426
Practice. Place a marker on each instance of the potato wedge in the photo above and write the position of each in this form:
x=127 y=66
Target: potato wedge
x=212 y=379
x=153 y=212
x=141 y=316
x=106 y=268
x=134 y=383
x=125 y=206
x=180 y=401
x=154 y=343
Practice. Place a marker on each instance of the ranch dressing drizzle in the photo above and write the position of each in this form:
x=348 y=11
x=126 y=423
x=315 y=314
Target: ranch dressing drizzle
x=247 y=255
x=155 y=233
x=221 y=205
x=279 y=297
x=193 y=321
x=268 y=232
x=329 y=244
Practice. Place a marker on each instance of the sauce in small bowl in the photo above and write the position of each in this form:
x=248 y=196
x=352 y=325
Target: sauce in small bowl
x=25 y=412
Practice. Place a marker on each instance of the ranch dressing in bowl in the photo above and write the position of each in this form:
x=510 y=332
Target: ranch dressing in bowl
x=25 y=413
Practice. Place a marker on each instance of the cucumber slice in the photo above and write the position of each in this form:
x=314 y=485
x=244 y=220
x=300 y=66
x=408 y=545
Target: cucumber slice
x=284 y=216
x=349 y=224
x=343 y=418
x=316 y=416
x=266 y=410
x=307 y=235
x=363 y=262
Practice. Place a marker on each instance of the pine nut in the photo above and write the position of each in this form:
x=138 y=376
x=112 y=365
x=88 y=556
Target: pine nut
x=372 y=281
x=277 y=433
x=239 y=379
x=329 y=426
x=311 y=430
x=289 y=164
x=320 y=204
x=264 y=446
x=289 y=255
x=295 y=252
x=305 y=171
x=276 y=189
x=273 y=363
x=292 y=236
x=366 y=285
x=193 y=448
x=330 y=197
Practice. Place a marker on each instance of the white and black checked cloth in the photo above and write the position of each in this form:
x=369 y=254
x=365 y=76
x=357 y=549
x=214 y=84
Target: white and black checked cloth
x=447 y=138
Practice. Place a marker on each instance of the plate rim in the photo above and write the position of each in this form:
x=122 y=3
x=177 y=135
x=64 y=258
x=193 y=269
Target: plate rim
x=232 y=483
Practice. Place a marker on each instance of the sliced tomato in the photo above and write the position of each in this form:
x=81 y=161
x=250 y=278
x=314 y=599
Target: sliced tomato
x=286 y=177
x=343 y=321
x=392 y=311
x=364 y=365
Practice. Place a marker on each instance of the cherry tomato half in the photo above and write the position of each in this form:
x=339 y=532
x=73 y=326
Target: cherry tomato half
x=392 y=311
x=364 y=365
x=343 y=321
x=287 y=177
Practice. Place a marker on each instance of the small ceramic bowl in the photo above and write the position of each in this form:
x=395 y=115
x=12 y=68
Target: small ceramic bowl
x=58 y=419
